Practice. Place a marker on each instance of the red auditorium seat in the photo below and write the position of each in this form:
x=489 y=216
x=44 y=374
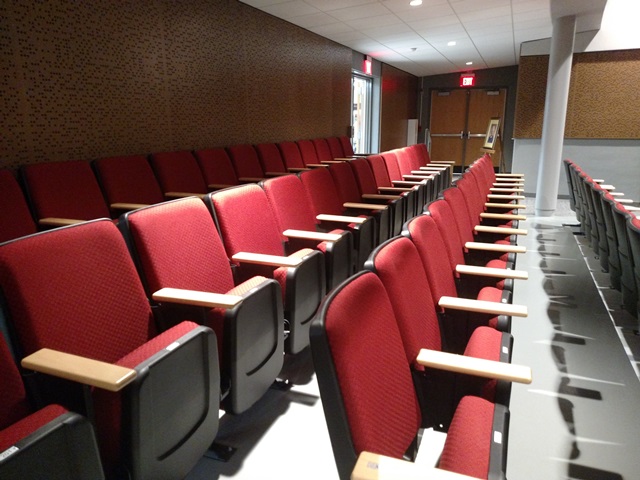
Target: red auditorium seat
x=186 y=274
x=246 y=163
x=78 y=310
x=425 y=187
x=336 y=148
x=294 y=214
x=127 y=182
x=271 y=159
x=178 y=174
x=292 y=157
x=253 y=242
x=15 y=217
x=368 y=394
x=398 y=265
x=460 y=315
x=331 y=212
x=63 y=193
x=47 y=443
x=633 y=230
x=308 y=154
x=216 y=168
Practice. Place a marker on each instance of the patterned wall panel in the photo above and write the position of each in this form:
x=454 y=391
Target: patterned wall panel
x=398 y=103
x=603 y=96
x=84 y=80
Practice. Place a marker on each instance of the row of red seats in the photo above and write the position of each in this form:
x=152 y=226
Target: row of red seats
x=397 y=348
x=608 y=221
x=84 y=291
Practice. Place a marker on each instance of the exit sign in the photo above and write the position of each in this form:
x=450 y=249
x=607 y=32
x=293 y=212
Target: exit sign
x=467 y=79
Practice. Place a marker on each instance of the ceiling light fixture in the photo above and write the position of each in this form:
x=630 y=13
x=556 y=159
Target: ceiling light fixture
x=451 y=43
x=469 y=63
x=415 y=3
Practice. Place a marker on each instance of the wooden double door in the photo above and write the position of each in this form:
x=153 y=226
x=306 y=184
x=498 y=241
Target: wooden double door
x=459 y=121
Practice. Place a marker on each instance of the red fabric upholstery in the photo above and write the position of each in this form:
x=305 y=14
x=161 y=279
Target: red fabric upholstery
x=308 y=152
x=216 y=166
x=442 y=214
x=345 y=182
x=291 y=154
x=290 y=203
x=408 y=288
x=379 y=169
x=28 y=425
x=13 y=400
x=15 y=217
x=128 y=180
x=347 y=147
x=65 y=190
x=270 y=158
x=103 y=292
x=179 y=246
x=178 y=172
x=469 y=438
x=246 y=221
x=421 y=148
x=336 y=147
x=393 y=168
x=364 y=176
x=377 y=389
x=245 y=161
x=323 y=151
x=322 y=191
x=404 y=161
x=433 y=253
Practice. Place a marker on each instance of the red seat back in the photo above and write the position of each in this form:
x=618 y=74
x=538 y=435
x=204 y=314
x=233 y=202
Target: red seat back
x=345 y=182
x=322 y=191
x=128 y=179
x=291 y=155
x=178 y=172
x=245 y=161
x=336 y=147
x=364 y=176
x=290 y=203
x=308 y=152
x=323 y=151
x=379 y=169
x=270 y=158
x=347 y=147
x=216 y=167
x=15 y=217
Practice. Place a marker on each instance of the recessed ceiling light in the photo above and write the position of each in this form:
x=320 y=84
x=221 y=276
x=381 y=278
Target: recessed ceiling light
x=469 y=63
x=451 y=43
x=415 y=3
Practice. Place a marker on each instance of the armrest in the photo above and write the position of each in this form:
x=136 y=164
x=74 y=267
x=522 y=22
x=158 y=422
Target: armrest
x=250 y=179
x=504 y=205
x=344 y=159
x=182 y=194
x=501 y=230
x=197 y=298
x=128 y=206
x=483 y=306
x=507 y=190
x=607 y=187
x=408 y=183
x=325 y=217
x=364 y=206
x=505 y=197
x=58 y=222
x=262 y=259
x=79 y=369
x=632 y=209
x=442 y=162
x=508 y=183
x=316 y=165
x=430 y=169
x=319 y=236
x=297 y=169
x=624 y=200
x=474 y=366
x=219 y=186
x=372 y=466
x=335 y=160
x=492 y=272
x=373 y=196
x=276 y=174
x=616 y=194
x=598 y=180
x=395 y=189
x=510 y=175
x=495 y=247
x=415 y=177
x=503 y=216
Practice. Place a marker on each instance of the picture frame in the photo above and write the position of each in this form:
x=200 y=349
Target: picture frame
x=493 y=130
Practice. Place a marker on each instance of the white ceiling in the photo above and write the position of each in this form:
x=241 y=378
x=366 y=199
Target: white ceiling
x=414 y=39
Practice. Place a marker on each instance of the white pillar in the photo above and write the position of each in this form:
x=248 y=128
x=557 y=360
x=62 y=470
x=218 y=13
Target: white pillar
x=555 y=114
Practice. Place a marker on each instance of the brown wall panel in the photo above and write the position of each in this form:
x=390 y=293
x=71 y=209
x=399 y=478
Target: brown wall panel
x=398 y=104
x=603 y=96
x=85 y=80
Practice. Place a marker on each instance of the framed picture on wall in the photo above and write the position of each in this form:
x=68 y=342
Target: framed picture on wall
x=493 y=131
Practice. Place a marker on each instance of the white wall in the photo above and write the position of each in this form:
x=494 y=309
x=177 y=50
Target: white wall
x=616 y=161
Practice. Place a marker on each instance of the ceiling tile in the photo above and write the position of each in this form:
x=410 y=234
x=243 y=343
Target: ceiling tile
x=289 y=10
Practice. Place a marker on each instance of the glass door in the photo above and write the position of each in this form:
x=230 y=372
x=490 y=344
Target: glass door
x=361 y=113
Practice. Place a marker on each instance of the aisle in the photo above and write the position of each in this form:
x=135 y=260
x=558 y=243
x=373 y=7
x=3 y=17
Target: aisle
x=579 y=418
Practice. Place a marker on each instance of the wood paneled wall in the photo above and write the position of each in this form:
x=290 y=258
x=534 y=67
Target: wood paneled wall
x=604 y=100
x=83 y=80
x=399 y=103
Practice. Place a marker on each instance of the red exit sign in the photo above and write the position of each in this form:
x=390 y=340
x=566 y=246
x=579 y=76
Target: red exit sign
x=468 y=80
